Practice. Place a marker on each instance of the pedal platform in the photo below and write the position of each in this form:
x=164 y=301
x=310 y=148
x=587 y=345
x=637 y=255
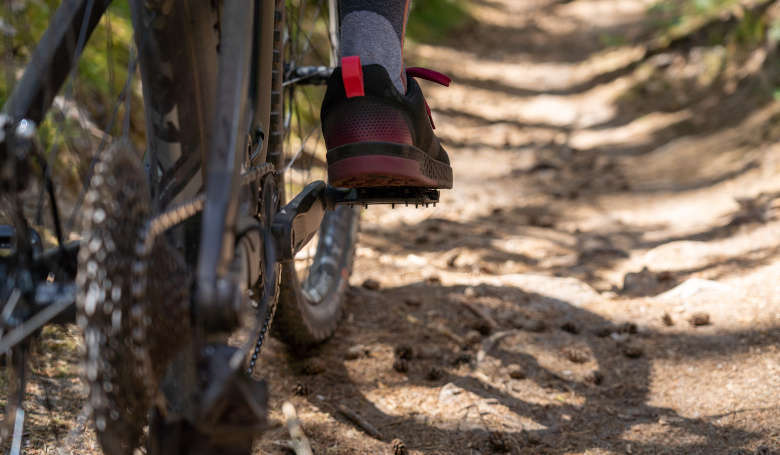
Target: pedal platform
x=402 y=196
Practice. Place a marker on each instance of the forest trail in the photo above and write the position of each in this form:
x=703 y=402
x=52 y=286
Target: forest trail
x=603 y=279
x=613 y=219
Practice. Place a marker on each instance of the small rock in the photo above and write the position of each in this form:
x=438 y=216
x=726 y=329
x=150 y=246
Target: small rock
x=517 y=322
x=619 y=337
x=640 y=283
x=428 y=351
x=499 y=442
x=536 y=326
x=667 y=320
x=469 y=292
x=301 y=390
x=404 y=351
x=570 y=327
x=595 y=377
x=413 y=301
x=433 y=279
x=517 y=373
x=632 y=350
x=434 y=374
x=371 y=284
x=463 y=357
x=422 y=239
x=356 y=352
x=628 y=327
x=399 y=448
x=534 y=438
x=312 y=367
x=481 y=326
x=433 y=227
x=472 y=337
x=699 y=319
x=401 y=365
x=575 y=354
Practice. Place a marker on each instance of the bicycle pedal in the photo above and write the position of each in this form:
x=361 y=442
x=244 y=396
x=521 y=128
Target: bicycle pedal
x=406 y=196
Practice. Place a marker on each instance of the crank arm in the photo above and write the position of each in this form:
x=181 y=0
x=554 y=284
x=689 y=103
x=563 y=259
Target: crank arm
x=297 y=222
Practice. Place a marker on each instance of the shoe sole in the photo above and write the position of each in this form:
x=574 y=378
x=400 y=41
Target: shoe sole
x=382 y=164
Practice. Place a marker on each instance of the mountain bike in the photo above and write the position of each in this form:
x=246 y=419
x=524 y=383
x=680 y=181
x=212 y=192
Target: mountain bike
x=175 y=260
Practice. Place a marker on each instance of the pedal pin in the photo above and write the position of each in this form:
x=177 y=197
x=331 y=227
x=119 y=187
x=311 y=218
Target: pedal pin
x=392 y=206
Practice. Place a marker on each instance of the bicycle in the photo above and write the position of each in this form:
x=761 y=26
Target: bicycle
x=188 y=247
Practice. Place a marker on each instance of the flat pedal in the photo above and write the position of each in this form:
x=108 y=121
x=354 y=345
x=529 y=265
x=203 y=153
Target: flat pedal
x=395 y=196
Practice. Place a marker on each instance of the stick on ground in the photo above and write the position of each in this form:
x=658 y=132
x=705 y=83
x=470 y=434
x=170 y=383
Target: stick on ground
x=300 y=443
x=359 y=421
x=481 y=313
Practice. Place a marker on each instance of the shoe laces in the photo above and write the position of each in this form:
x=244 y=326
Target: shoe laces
x=429 y=75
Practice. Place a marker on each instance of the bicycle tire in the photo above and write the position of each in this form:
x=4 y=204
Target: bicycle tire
x=311 y=301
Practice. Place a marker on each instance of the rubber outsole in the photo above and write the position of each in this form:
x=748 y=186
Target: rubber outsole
x=380 y=164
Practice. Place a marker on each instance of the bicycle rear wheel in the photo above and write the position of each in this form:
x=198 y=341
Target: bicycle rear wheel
x=313 y=285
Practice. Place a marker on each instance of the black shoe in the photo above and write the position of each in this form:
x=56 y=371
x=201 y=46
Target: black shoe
x=378 y=137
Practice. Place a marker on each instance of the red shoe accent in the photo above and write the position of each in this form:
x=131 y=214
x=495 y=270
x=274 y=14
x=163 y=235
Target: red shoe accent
x=352 y=76
x=429 y=75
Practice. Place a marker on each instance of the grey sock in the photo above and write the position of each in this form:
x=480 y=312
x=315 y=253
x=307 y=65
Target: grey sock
x=374 y=30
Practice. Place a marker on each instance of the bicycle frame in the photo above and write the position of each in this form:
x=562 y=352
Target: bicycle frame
x=218 y=149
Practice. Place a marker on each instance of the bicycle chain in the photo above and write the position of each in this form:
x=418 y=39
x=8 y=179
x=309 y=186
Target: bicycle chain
x=261 y=337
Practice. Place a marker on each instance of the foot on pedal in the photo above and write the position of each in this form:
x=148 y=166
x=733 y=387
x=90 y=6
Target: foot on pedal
x=396 y=195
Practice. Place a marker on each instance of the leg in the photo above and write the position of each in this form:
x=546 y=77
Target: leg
x=376 y=123
x=374 y=31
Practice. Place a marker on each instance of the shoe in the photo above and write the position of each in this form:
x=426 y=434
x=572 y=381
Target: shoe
x=377 y=136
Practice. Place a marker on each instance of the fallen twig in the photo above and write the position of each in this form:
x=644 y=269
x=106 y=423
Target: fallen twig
x=481 y=313
x=438 y=327
x=359 y=421
x=490 y=342
x=300 y=443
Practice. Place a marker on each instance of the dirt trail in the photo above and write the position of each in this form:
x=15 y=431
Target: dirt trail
x=602 y=280
x=618 y=237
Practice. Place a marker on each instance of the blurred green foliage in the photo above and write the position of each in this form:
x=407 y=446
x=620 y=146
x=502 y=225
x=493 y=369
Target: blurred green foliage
x=677 y=18
x=432 y=20
x=90 y=96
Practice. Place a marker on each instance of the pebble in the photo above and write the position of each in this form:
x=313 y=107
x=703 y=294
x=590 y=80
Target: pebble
x=517 y=373
x=632 y=351
x=404 y=351
x=413 y=301
x=356 y=352
x=575 y=354
x=301 y=390
x=371 y=284
x=434 y=374
x=536 y=326
x=472 y=337
x=667 y=320
x=699 y=319
x=428 y=351
x=401 y=365
x=595 y=377
x=570 y=327
x=499 y=442
x=463 y=357
x=399 y=448
x=312 y=367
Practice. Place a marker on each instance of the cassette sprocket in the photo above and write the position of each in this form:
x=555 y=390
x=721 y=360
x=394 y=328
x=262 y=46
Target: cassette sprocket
x=133 y=306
